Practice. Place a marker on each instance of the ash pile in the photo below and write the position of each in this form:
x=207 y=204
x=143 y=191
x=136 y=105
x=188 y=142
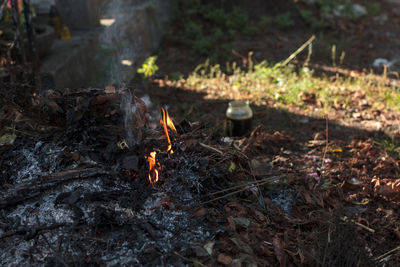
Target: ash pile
x=107 y=186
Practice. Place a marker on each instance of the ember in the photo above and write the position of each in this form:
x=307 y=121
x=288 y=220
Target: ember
x=154 y=167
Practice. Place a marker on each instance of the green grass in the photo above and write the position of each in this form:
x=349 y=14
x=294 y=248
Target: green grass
x=389 y=146
x=288 y=85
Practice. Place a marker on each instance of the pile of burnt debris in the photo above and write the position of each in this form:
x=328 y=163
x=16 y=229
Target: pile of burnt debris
x=85 y=192
x=105 y=177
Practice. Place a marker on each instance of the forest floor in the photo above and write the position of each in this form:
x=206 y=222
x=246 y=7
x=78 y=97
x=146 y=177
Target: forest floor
x=341 y=159
x=313 y=182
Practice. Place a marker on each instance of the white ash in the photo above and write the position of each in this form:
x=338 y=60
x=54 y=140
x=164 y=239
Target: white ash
x=40 y=160
x=284 y=199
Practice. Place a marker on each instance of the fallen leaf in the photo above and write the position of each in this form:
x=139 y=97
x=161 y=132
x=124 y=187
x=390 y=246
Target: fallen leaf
x=100 y=99
x=199 y=212
x=224 y=259
x=261 y=166
x=242 y=246
x=231 y=223
x=326 y=185
x=232 y=167
x=364 y=201
x=200 y=252
x=242 y=221
x=7 y=139
x=244 y=260
x=142 y=115
x=279 y=250
x=313 y=175
x=313 y=143
x=209 y=247
x=109 y=89
x=307 y=197
x=75 y=156
x=387 y=188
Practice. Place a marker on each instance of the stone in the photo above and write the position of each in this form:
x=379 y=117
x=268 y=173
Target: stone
x=85 y=59
x=79 y=14
x=359 y=10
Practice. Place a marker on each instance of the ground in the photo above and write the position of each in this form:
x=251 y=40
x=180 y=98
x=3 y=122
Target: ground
x=335 y=160
x=309 y=184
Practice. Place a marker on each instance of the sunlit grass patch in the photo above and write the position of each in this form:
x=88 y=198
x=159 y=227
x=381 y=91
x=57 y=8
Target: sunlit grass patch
x=291 y=85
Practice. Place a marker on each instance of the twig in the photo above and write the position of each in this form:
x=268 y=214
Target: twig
x=326 y=140
x=387 y=253
x=211 y=148
x=187 y=259
x=301 y=48
x=55 y=252
x=259 y=195
x=363 y=226
x=252 y=137
x=30 y=230
x=243 y=185
x=346 y=219
x=21 y=132
x=34 y=189
x=2 y=8
x=17 y=32
x=30 y=30
x=238 y=191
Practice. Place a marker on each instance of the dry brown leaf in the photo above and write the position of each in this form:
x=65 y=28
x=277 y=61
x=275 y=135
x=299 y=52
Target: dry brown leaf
x=231 y=223
x=386 y=187
x=307 y=197
x=224 y=259
x=279 y=250
x=142 y=115
x=199 y=212
x=109 y=89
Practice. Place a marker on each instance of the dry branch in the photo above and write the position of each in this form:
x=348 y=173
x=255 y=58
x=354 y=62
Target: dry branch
x=34 y=189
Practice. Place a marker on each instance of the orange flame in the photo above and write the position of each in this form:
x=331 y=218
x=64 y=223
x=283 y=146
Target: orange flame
x=167 y=122
x=154 y=167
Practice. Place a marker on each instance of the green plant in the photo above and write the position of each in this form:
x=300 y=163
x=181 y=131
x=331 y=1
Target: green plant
x=149 y=67
x=207 y=28
x=373 y=8
x=312 y=20
x=193 y=30
x=174 y=76
x=264 y=21
x=236 y=20
x=284 y=20
x=389 y=146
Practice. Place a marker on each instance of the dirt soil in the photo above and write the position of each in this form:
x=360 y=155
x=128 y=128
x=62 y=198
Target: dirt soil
x=337 y=172
x=297 y=190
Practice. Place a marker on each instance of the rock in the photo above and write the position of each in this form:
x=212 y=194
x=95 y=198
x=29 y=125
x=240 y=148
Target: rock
x=380 y=62
x=359 y=10
x=382 y=19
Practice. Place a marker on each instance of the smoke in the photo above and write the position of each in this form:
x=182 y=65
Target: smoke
x=132 y=30
x=119 y=49
x=116 y=40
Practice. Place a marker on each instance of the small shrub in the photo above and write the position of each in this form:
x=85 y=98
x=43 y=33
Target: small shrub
x=149 y=67
x=284 y=21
